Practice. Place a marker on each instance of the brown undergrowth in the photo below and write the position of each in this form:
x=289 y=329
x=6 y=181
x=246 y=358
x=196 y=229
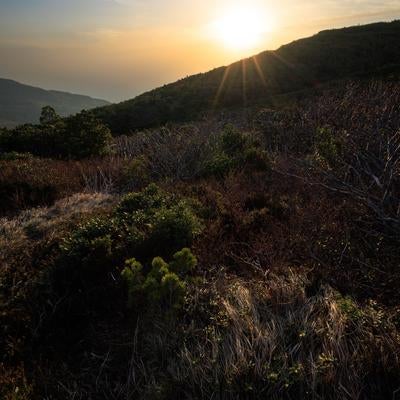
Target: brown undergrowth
x=289 y=288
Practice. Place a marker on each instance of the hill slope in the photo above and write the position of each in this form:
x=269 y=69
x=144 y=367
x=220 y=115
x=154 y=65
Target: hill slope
x=304 y=64
x=22 y=104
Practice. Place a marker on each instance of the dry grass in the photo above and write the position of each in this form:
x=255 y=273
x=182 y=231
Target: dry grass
x=264 y=338
x=269 y=339
x=29 y=243
x=14 y=383
x=48 y=220
x=41 y=182
x=278 y=342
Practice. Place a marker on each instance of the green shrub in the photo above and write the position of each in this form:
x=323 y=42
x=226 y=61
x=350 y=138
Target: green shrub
x=349 y=308
x=173 y=290
x=168 y=223
x=132 y=274
x=86 y=275
x=136 y=173
x=183 y=262
x=233 y=150
x=327 y=147
x=163 y=285
x=88 y=237
x=144 y=224
x=172 y=228
x=150 y=198
x=233 y=142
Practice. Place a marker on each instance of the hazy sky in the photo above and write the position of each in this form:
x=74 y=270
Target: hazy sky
x=115 y=49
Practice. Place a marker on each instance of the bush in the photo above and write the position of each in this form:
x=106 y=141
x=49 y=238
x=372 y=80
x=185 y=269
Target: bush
x=170 y=152
x=150 y=199
x=183 y=262
x=143 y=225
x=233 y=150
x=164 y=284
x=327 y=147
x=133 y=276
x=135 y=174
x=166 y=222
x=85 y=275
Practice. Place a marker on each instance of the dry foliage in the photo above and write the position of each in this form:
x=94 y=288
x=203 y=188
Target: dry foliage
x=295 y=294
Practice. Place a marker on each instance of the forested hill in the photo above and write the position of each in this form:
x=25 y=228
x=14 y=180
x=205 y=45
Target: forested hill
x=330 y=55
x=22 y=103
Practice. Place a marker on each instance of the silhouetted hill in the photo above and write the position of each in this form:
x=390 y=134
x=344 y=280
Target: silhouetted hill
x=304 y=64
x=22 y=104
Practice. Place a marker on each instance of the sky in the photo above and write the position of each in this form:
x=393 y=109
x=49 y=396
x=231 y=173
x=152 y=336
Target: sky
x=117 y=49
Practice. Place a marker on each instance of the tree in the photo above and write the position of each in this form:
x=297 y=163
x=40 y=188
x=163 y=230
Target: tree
x=76 y=137
x=48 y=116
x=85 y=136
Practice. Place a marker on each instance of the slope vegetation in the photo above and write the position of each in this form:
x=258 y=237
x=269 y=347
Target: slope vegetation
x=268 y=78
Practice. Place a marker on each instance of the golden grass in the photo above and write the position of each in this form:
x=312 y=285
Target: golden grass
x=268 y=339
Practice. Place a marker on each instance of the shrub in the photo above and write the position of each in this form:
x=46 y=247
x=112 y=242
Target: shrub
x=150 y=198
x=172 y=228
x=233 y=142
x=136 y=173
x=164 y=284
x=92 y=243
x=167 y=153
x=327 y=146
x=143 y=225
x=183 y=262
x=256 y=158
x=233 y=150
x=85 y=274
x=133 y=276
x=166 y=222
x=348 y=307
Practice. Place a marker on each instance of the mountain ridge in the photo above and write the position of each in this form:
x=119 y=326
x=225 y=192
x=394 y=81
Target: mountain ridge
x=21 y=103
x=303 y=64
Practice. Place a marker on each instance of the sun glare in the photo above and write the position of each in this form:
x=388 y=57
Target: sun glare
x=241 y=29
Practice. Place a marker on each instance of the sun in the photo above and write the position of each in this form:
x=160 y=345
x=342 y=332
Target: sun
x=241 y=28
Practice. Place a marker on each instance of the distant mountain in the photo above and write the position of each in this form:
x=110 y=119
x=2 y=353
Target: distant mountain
x=22 y=104
x=360 y=51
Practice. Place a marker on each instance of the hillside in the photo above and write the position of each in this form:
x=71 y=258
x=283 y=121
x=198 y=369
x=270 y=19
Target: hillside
x=304 y=64
x=250 y=256
x=22 y=103
x=203 y=261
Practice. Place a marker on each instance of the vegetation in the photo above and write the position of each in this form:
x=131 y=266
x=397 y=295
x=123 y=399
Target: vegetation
x=271 y=78
x=163 y=283
x=143 y=225
x=76 y=137
x=246 y=255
